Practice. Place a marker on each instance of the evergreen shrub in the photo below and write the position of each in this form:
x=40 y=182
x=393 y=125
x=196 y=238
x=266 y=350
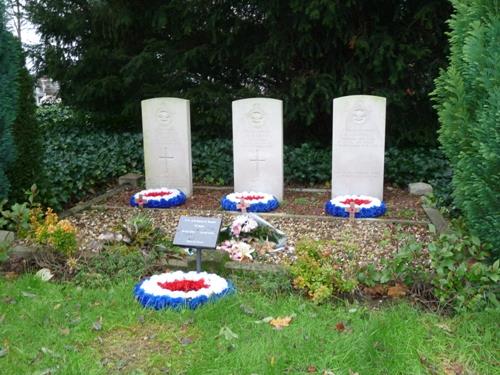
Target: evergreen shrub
x=9 y=66
x=79 y=156
x=467 y=98
x=25 y=170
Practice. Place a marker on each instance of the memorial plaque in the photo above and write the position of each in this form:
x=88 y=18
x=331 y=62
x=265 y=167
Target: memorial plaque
x=197 y=232
x=167 y=144
x=258 y=146
x=358 y=145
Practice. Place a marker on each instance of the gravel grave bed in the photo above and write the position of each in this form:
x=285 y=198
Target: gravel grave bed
x=352 y=244
x=400 y=204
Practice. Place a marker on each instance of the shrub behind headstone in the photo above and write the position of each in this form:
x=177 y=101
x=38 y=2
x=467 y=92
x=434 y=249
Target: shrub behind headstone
x=25 y=169
x=468 y=103
x=8 y=98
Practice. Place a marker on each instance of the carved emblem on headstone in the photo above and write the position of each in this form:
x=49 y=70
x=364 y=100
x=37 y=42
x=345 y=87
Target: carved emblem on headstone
x=164 y=117
x=359 y=115
x=256 y=116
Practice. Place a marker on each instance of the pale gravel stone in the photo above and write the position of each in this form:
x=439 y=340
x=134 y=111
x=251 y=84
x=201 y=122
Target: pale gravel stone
x=361 y=243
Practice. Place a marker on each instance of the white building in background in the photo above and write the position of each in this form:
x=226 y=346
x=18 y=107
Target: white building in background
x=46 y=91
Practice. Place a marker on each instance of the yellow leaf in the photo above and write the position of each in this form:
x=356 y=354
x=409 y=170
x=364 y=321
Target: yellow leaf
x=281 y=322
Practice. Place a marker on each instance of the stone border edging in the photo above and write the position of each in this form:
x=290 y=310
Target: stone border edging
x=437 y=219
x=92 y=202
x=284 y=215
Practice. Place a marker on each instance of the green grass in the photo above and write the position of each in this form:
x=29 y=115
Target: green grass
x=98 y=331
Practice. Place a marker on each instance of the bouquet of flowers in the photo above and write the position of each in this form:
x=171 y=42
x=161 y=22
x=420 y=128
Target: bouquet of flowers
x=249 y=236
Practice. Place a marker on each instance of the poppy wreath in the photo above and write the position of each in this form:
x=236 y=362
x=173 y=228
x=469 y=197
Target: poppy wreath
x=256 y=202
x=365 y=206
x=177 y=290
x=158 y=198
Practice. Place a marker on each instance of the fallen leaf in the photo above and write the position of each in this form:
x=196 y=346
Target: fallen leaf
x=28 y=294
x=328 y=372
x=377 y=290
x=267 y=319
x=3 y=352
x=247 y=310
x=444 y=327
x=227 y=333
x=340 y=327
x=312 y=369
x=281 y=322
x=44 y=274
x=64 y=331
x=397 y=291
x=273 y=360
x=186 y=341
x=10 y=275
x=353 y=373
x=57 y=307
x=2 y=318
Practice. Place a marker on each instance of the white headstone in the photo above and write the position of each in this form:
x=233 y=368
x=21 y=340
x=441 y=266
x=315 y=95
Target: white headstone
x=358 y=145
x=258 y=146
x=166 y=128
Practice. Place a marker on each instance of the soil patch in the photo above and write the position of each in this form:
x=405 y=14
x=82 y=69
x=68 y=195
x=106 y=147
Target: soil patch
x=151 y=349
x=400 y=204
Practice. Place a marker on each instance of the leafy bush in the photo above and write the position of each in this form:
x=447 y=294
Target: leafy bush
x=463 y=279
x=139 y=234
x=213 y=161
x=405 y=267
x=314 y=272
x=9 y=67
x=25 y=170
x=467 y=97
x=16 y=218
x=308 y=164
x=403 y=166
x=58 y=234
x=458 y=273
x=77 y=158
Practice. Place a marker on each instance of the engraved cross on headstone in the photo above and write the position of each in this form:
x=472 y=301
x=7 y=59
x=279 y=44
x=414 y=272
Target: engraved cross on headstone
x=166 y=157
x=256 y=160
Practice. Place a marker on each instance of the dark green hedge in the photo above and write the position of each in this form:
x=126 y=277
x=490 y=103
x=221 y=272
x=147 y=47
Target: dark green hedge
x=467 y=98
x=26 y=167
x=78 y=157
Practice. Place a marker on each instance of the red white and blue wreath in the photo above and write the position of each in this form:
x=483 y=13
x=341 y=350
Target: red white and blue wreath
x=158 y=198
x=252 y=202
x=365 y=206
x=176 y=290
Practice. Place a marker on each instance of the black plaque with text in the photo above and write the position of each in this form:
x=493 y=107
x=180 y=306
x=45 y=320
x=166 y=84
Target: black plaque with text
x=197 y=232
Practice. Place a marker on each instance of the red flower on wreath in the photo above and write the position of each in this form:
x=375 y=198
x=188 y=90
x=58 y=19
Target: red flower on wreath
x=184 y=285
x=356 y=201
x=158 y=194
x=251 y=197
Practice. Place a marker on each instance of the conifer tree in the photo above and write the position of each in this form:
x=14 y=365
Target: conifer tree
x=9 y=67
x=467 y=98
x=25 y=170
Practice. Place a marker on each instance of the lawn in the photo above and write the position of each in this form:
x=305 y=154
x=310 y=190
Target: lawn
x=62 y=328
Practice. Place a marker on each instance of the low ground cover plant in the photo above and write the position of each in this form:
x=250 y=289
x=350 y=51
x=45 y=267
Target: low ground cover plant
x=316 y=273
